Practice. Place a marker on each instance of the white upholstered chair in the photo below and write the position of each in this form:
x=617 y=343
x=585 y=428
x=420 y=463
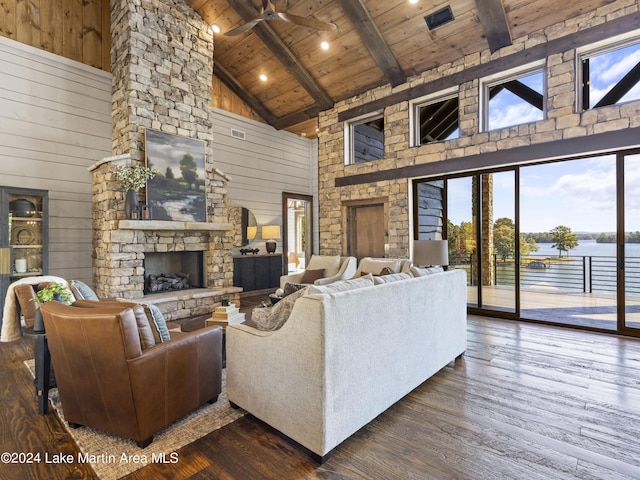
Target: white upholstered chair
x=333 y=267
x=375 y=265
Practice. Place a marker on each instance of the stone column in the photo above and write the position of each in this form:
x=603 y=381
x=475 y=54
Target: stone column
x=162 y=65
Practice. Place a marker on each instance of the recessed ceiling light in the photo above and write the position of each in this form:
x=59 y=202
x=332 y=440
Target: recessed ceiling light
x=215 y=28
x=324 y=45
x=263 y=77
x=413 y=1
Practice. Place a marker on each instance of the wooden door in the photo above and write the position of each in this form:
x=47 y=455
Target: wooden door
x=367 y=231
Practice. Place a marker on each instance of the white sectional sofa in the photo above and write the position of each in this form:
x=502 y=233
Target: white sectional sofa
x=343 y=358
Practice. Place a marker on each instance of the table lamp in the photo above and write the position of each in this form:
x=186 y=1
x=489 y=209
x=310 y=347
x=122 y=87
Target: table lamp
x=270 y=233
x=428 y=253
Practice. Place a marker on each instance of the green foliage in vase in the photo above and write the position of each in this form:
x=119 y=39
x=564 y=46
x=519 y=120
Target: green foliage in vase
x=134 y=177
x=48 y=293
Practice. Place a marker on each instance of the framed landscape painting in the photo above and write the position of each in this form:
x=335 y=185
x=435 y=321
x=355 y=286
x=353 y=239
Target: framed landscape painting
x=177 y=192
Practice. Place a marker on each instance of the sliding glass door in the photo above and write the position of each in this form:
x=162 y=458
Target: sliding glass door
x=462 y=228
x=556 y=242
x=568 y=216
x=630 y=273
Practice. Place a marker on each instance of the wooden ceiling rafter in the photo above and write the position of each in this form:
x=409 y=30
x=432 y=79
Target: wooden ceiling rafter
x=275 y=44
x=374 y=41
x=494 y=23
x=374 y=37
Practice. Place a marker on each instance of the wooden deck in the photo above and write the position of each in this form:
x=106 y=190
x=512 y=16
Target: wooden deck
x=597 y=310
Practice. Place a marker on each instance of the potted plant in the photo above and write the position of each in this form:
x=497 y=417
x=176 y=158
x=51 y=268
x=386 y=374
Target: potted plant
x=53 y=291
x=133 y=178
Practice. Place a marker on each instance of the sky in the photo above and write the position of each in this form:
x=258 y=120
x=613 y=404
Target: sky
x=579 y=194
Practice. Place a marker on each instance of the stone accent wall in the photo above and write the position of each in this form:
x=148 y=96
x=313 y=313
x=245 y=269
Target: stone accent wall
x=162 y=57
x=562 y=122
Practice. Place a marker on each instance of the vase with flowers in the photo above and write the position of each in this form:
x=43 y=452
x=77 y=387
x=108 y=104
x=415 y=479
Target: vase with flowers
x=133 y=178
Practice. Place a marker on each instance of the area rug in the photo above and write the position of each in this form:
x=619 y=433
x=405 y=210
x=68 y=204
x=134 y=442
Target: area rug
x=114 y=457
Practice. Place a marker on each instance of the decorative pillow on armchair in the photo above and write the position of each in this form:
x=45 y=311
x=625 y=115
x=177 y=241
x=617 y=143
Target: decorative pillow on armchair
x=311 y=276
x=82 y=291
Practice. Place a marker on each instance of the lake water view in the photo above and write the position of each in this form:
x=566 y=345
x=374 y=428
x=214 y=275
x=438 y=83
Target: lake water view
x=587 y=248
x=596 y=272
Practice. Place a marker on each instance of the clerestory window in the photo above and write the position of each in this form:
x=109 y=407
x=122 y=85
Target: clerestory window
x=364 y=139
x=513 y=99
x=609 y=75
x=434 y=118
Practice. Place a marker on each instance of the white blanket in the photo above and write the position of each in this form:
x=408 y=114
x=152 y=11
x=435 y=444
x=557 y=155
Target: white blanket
x=11 y=328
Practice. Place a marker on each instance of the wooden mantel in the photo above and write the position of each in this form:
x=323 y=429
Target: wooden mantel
x=165 y=225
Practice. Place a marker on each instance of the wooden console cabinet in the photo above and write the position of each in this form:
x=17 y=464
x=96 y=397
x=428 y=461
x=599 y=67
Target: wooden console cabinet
x=257 y=272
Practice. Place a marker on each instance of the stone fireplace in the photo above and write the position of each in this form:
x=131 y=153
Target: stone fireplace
x=162 y=65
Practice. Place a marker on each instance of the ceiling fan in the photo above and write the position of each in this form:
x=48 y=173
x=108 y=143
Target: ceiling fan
x=269 y=13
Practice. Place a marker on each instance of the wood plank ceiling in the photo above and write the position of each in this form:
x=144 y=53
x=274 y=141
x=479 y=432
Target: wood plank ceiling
x=376 y=42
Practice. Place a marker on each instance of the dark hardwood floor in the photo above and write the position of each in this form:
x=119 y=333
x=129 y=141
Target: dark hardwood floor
x=525 y=402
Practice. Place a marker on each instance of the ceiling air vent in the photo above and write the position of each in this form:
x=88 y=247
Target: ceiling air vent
x=436 y=19
x=238 y=134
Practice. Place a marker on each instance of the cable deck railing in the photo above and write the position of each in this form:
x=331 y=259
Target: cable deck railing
x=587 y=274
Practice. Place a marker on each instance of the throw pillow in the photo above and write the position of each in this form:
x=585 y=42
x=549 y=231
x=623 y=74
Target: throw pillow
x=82 y=291
x=157 y=323
x=145 y=332
x=394 y=277
x=384 y=271
x=272 y=318
x=311 y=276
x=341 y=286
x=330 y=263
x=290 y=288
x=421 y=272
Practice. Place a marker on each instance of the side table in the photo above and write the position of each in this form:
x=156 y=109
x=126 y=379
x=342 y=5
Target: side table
x=42 y=366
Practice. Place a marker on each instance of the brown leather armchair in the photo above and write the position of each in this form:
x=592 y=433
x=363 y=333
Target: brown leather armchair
x=112 y=376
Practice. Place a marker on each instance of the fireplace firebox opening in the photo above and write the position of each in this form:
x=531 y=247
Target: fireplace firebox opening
x=171 y=271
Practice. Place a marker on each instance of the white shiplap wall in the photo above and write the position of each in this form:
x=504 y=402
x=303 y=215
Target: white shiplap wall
x=55 y=121
x=262 y=166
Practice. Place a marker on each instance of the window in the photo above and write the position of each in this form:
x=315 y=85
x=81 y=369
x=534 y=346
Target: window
x=364 y=139
x=610 y=75
x=434 y=118
x=513 y=99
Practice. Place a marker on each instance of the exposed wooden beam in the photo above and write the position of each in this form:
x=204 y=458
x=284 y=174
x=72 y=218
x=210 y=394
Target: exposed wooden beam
x=271 y=39
x=494 y=22
x=297 y=117
x=594 y=34
x=225 y=77
x=373 y=40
